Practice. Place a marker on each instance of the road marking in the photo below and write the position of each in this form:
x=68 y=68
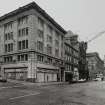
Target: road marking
x=23 y=96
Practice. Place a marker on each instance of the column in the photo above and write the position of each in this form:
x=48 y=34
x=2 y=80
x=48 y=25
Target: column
x=32 y=67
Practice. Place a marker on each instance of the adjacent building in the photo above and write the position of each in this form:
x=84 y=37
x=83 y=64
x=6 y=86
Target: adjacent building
x=71 y=56
x=104 y=60
x=95 y=65
x=83 y=66
x=32 y=46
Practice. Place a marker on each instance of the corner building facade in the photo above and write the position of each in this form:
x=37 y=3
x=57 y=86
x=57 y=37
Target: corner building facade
x=31 y=45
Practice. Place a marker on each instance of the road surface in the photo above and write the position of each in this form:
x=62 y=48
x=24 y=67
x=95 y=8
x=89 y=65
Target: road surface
x=91 y=93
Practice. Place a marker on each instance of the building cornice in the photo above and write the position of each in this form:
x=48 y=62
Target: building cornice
x=71 y=46
x=29 y=6
x=94 y=54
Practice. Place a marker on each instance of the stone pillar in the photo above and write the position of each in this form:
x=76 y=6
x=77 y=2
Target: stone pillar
x=32 y=68
x=59 y=75
x=2 y=72
x=63 y=76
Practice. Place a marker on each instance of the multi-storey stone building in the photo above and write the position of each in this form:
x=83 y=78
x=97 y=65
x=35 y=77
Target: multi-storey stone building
x=95 y=65
x=31 y=45
x=71 y=57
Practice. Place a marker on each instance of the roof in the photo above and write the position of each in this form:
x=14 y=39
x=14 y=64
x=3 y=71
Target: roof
x=93 y=54
x=70 y=34
x=35 y=6
x=67 y=44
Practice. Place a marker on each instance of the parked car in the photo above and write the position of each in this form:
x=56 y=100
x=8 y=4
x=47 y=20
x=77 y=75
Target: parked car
x=81 y=80
x=97 y=79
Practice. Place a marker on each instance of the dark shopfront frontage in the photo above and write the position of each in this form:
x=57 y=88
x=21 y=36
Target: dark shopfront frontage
x=15 y=73
x=68 y=76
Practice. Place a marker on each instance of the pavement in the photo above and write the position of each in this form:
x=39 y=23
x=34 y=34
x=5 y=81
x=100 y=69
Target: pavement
x=89 y=93
x=36 y=84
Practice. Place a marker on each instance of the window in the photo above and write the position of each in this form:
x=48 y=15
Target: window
x=8 y=36
x=19 y=33
x=23 y=32
x=26 y=43
x=56 y=43
x=61 y=45
x=50 y=30
x=57 y=35
x=27 y=31
x=56 y=62
x=19 y=45
x=40 y=34
x=62 y=38
x=41 y=23
x=6 y=48
x=11 y=35
x=40 y=45
x=57 y=52
x=23 y=20
x=70 y=58
x=11 y=47
x=5 y=36
x=8 y=59
x=22 y=57
x=61 y=53
x=49 y=38
x=49 y=60
x=49 y=49
x=8 y=25
x=22 y=44
x=40 y=58
x=19 y=58
x=26 y=57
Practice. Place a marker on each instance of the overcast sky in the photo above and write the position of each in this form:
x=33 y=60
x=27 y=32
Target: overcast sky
x=84 y=17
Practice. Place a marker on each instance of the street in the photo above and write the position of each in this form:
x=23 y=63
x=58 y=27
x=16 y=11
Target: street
x=91 y=93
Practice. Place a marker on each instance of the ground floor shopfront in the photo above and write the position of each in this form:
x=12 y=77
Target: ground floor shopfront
x=16 y=73
x=68 y=76
x=71 y=72
x=47 y=76
x=45 y=69
x=24 y=73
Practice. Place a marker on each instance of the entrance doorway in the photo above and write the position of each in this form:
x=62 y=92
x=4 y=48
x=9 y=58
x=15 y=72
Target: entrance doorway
x=68 y=76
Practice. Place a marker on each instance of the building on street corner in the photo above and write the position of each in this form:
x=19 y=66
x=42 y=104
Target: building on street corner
x=31 y=45
x=35 y=48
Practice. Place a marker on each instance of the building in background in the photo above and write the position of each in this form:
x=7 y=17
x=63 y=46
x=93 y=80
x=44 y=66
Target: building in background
x=95 y=65
x=104 y=60
x=31 y=45
x=83 y=67
x=75 y=56
x=71 y=57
